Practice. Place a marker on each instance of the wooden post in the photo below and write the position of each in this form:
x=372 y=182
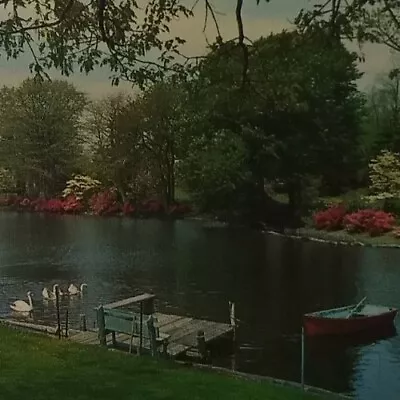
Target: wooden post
x=201 y=344
x=148 y=306
x=165 y=347
x=232 y=317
x=66 y=323
x=58 y=312
x=141 y=328
x=132 y=333
x=152 y=334
x=102 y=326
x=302 y=358
x=82 y=318
x=233 y=361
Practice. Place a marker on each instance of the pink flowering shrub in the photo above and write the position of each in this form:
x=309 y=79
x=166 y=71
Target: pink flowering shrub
x=374 y=222
x=331 y=218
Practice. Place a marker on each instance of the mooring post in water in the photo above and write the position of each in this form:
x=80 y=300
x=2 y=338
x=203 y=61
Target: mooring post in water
x=232 y=317
x=66 y=323
x=82 y=318
x=58 y=312
x=201 y=345
x=302 y=358
x=102 y=326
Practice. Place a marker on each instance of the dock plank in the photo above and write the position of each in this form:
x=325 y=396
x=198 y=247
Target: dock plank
x=130 y=300
x=175 y=326
x=85 y=337
x=88 y=338
x=166 y=319
x=188 y=335
x=176 y=349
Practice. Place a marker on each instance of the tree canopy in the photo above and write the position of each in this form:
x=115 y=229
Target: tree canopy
x=299 y=115
x=132 y=38
x=39 y=133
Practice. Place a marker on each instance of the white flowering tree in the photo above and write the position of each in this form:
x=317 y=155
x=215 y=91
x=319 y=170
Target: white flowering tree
x=7 y=181
x=82 y=187
x=384 y=175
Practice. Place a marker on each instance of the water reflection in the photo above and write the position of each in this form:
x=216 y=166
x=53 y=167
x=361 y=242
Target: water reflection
x=196 y=271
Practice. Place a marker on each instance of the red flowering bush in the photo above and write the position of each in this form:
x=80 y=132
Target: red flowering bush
x=104 y=203
x=4 y=201
x=7 y=200
x=72 y=205
x=39 y=204
x=151 y=207
x=128 y=208
x=178 y=210
x=331 y=218
x=374 y=222
x=16 y=201
x=54 y=206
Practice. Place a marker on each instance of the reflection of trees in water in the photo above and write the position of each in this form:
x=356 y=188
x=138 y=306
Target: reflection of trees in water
x=330 y=364
x=303 y=277
x=215 y=266
x=380 y=275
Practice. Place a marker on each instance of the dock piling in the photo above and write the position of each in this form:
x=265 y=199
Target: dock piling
x=66 y=323
x=232 y=317
x=58 y=312
x=201 y=344
x=102 y=326
x=82 y=318
x=302 y=358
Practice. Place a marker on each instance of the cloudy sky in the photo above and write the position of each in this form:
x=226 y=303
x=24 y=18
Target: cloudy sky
x=258 y=21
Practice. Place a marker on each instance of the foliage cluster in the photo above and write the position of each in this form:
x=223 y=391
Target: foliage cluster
x=374 y=222
x=295 y=125
x=102 y=203
x=371 y=221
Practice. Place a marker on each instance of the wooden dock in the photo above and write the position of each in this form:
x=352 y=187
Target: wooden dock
x=182 y=333
x=174 y=335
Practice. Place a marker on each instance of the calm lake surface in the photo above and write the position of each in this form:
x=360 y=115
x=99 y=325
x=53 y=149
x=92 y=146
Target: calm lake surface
x=196 y=271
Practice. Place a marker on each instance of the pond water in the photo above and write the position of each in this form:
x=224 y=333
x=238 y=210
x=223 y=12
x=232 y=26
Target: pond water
x=197 y=271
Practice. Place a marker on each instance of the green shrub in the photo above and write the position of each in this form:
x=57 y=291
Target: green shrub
x=392 y=206
x=356 y=203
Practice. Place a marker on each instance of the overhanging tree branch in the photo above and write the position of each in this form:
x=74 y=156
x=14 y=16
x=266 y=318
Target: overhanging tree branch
x=43 y=25
x=242 y=44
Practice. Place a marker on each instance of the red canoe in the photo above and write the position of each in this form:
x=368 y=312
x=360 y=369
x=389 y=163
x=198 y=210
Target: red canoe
x=348 y=320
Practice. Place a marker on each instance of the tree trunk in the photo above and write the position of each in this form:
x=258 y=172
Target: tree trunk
x=295 y=198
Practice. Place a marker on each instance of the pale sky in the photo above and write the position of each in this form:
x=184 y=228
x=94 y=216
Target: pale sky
x=258 y=21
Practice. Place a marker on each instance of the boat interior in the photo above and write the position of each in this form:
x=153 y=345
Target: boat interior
x=367 y=310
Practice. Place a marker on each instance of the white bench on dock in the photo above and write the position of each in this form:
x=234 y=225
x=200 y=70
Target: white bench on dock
x=141 y=328
x=143 y=334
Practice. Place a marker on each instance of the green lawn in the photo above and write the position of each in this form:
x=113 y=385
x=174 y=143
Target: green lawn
x=36 y=367
x=343 y=236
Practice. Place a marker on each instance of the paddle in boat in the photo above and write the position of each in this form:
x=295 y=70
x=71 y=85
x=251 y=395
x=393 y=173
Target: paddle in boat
x=350 y=319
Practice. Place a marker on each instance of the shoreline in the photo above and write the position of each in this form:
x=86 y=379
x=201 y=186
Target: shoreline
x=337 y=238
x=209 y=221
x=264 y=378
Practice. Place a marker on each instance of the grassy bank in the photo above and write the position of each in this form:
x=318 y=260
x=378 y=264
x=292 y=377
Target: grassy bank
x=343 y=236
x=42 y=368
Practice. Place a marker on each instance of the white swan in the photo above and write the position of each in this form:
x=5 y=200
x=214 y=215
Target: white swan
x=23 y=306
x=73 y=290
x=47 y=295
